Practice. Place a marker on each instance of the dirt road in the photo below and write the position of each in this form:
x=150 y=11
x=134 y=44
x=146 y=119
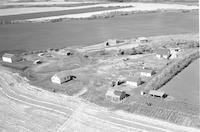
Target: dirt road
x=77 y=115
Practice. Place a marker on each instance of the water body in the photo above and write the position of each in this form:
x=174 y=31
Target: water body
x=33 y=36
x=185 y=86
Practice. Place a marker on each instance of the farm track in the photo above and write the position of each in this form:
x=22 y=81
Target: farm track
x=85 y=111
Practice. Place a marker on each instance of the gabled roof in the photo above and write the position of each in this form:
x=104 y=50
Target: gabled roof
x=141 y=38
x=61 y=74
x=133 y=79
x=147 y=71
x=114 y=93
x=8 y=55
x=156 y=92
x=163 y=51
x=119 y=93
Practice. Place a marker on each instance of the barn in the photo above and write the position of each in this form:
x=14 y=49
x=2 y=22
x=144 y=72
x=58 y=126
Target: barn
x=156 y=93
x=134 y=81
x=10 y=58
x=61 y=77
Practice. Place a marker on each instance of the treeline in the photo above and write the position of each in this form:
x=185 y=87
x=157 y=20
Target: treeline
x=153 y=0
x=170 y=71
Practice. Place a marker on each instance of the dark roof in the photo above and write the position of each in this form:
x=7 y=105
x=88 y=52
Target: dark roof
x=133 y=79
x=119 y=93
x=163 y=51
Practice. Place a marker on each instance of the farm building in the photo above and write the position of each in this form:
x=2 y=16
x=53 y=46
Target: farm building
x=134 y=82
x=10 y=58
x=141 y=40
x=37 y=62
x=115 y=95
x=163 y=53
x=157 y=93
x=174 y=52
x=111 y=42
x=61 y=77
x=147 y=72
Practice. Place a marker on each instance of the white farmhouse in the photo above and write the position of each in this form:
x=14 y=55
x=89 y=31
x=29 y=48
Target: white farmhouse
x=10 y=58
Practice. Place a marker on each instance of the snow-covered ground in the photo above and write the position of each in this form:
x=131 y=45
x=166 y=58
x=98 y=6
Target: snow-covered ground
x=136 y=7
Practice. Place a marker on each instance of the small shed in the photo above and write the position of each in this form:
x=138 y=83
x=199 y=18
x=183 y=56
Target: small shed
x=157 y=93
x=134 y=81
x=115 y=95
x=163 y=53
x=142 y=40
x=10 y=58
x=61 y=77
x=147 y=72
x=174 y=52
x=36 y=62
x=111 y=42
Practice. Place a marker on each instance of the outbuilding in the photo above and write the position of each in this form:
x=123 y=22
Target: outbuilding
x=10 y=58
x=163 y=53
x=61 y=77
x=156 y=93
x=174 y=52
x=111 y=42
x=142 y=40
x=147 y=72
x=36 y=62
x=115 y=95
x=134 y=81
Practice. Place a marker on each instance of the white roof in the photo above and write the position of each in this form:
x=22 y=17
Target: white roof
x=156 y=92
x=142 y=38
x=8 y=55
x=61 y=75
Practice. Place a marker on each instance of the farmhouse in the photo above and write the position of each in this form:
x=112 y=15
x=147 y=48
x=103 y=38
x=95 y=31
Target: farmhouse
x=157 y=93
x=163 y=53
x=115 y=95
x=147 y=72
x=141 y=40
x=111 y=42
x=61 y=77
x=134 y=82
x=10 y=58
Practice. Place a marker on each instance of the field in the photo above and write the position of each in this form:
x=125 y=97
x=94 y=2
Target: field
x=11 y=13
x=95 y=67
x=71 y=37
